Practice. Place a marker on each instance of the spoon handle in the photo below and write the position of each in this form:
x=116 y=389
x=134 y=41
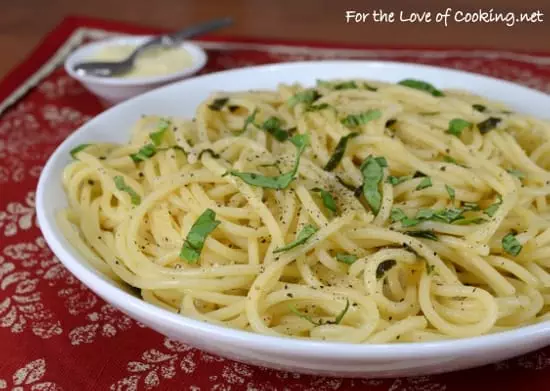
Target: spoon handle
x=199 y=29
x=188 y=32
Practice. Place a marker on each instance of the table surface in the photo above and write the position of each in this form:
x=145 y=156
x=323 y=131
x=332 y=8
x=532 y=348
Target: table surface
x=24 y=22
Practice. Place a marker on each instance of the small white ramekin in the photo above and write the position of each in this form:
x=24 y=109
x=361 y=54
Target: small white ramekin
x=113 y=90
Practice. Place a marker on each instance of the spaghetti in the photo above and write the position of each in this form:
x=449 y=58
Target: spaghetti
x=354 y=211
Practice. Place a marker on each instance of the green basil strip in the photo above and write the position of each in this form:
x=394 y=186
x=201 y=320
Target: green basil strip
x=194 y=242
x=384 y=267
x=122 y=186
x=307 y=97
x=354 y=120
x=248 y=120
x=339 y=151
x=449 y=215
x=451 y=192
x=472 y=220
x=410 y=222
x=511 y=245
x=372 y=172
x=422 y=86
x=77 y=149
x=156 y=137
x=144 y=153
x=273 y=126
x=450 y=159
x=479 y=107
x=422 y=234
x=218 y=104
x=397 y=214
x=318 y=107
x=336 y=320
x=306 y=233
x=424 y=183
x=517 y=173
x=300 y=141
x=394 y=180
x=457 y=126
x=346 y=85
x=467 y=206
x=488 y=125
x=346 y=258
x=351 y=188
x=210 y=152
x=492 y=209
x=328 y=200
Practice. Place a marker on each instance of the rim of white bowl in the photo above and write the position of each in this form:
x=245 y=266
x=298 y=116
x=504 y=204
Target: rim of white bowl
x=197 y=53
x=251 y=340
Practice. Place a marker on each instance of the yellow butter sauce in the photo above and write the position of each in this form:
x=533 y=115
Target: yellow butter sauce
x=155 y=61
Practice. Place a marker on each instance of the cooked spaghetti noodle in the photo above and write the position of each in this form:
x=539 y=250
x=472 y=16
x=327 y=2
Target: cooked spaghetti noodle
x=354 y=211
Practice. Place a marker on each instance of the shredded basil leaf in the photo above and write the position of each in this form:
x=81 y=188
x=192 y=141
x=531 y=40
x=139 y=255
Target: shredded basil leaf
x=77 y=149
x=488 y=125
x=306 y=233
x=451 y=192
x=336 y=320
x=422 y=86
x=354 y=120
x=397 y=214
x=156 y=137
x=410 y=222
x=318 y=107
x=470 y=206
x=492 y=209
x=307 y=97
x=144 y=153
x=457 y=126
x=122 y=186
x=479 y=107
x=273 y=126
x=511 y=244
x=327 y=198
x=449 y=159
x=346 y=258
x=339 y=152
x=210 y=152
x=471 y=220
x=394 y=180
x=300 y=141
x=424 y=183
x=517 y=173
x=372 y=172
x=384 y=267
x=346 y=85
x=218 y=104
x=194 y=242
x=247 y=121
x=422 y=234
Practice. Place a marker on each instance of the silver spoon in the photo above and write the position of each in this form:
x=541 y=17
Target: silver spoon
x=109 y=68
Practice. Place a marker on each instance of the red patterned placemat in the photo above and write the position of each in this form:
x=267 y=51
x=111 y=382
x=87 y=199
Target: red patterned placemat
x=57 y=335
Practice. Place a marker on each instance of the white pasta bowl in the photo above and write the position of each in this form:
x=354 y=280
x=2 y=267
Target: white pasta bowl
x=326 y=358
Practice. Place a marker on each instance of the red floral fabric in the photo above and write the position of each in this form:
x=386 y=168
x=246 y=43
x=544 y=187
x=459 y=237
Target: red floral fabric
x=55 y=334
